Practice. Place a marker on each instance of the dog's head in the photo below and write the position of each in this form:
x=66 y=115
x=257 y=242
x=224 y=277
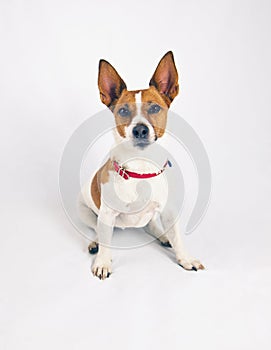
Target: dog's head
x=140 y=115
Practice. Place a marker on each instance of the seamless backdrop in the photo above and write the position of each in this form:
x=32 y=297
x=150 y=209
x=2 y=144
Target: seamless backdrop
x=49 y=58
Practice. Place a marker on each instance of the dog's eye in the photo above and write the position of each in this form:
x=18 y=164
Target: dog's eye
x=124 y=112
x=154 y=109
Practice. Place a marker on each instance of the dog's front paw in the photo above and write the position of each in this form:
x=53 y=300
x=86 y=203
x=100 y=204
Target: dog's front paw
x=190 y=264
x=102 y=267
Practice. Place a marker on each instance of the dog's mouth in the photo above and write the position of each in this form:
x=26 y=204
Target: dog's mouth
x=141 y=143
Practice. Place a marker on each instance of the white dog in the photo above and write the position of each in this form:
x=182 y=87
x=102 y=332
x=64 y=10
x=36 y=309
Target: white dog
x=141 y=118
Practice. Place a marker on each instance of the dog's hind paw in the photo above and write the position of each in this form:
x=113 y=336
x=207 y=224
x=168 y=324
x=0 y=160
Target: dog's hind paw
x=166 y=244
x=93 y=247
x=164 y=241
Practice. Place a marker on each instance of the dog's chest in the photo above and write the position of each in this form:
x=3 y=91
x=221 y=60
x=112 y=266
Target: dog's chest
x=141 y=197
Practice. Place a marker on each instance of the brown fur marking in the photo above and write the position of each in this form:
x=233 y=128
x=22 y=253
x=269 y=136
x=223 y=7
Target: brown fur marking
x=101 y=177
x=159 y=120
x=127 y=99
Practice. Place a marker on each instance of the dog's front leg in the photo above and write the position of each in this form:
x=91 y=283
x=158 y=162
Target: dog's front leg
x=105 y=225
x=174 y=236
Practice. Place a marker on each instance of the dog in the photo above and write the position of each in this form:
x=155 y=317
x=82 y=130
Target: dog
x=141 y=118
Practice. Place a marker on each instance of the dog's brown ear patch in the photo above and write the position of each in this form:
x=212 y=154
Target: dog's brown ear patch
x=165 y=78
x=110 y=83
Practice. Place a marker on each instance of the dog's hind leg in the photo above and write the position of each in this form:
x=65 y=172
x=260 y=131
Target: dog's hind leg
x=155 y=229
x=172 y=227
x=89 y=218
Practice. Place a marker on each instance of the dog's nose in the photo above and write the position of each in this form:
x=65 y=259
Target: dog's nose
x=140 y=131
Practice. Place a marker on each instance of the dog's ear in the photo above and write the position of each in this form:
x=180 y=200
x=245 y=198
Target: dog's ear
x=165 y=78
x=110 y=83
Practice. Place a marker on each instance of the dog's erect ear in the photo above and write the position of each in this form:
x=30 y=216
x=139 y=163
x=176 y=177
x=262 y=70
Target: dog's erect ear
x=110 y=83
x=165 y=78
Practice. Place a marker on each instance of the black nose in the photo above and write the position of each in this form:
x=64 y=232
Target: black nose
x=140 y=131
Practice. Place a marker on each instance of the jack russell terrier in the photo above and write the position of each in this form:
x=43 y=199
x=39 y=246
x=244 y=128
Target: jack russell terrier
x=141 y=118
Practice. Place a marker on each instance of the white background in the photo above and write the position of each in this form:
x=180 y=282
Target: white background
x=49 y=58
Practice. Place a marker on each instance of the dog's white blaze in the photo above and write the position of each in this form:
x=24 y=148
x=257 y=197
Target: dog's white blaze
x=139 y=119
x=138 y=98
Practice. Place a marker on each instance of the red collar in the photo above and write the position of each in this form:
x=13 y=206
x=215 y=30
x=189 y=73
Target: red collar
x=126 y=174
